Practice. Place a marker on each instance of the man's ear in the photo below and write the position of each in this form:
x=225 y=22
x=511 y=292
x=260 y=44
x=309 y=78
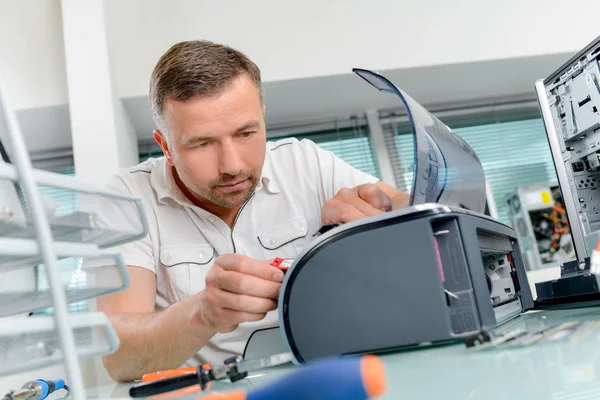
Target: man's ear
x=162 y=141
x=264 y=109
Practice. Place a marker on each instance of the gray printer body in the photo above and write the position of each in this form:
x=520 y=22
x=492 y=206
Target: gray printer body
x=425 y=274
x=433 y=272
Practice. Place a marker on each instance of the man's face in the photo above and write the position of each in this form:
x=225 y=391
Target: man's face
x=217 y=144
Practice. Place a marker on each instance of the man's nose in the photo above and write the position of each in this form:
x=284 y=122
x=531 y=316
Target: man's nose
x=230 y=160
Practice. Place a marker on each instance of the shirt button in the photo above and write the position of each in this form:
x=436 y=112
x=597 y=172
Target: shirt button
x=301 y=228
x=202 y=256
x=168 y=258
x=211 y=218
x=272 y=241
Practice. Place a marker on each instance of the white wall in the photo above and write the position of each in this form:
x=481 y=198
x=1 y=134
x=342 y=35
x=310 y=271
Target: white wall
x=102 y=134
x=422 y=42
x=32 y=69
x=32 y=61
x=291 y=40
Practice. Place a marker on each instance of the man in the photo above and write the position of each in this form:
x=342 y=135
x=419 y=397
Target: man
x=221 y=203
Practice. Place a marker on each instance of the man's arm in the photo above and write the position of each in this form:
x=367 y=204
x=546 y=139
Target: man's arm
x=238 y=289
x=150 y=340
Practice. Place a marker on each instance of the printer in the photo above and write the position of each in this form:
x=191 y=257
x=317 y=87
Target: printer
x=437 y=271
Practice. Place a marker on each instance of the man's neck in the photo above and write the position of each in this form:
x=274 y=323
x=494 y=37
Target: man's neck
x=227 y=215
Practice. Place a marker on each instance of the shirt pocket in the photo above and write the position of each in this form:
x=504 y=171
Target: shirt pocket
x=187 y=266
x=285 y=239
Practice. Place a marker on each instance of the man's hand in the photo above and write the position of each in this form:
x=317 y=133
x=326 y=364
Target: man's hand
x=352 y=204
x=238 y=289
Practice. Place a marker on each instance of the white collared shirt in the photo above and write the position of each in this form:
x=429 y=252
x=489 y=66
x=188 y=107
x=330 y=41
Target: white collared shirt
x=277 y=221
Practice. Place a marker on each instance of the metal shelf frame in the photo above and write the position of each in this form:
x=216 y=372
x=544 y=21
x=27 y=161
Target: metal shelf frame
x=29 y=240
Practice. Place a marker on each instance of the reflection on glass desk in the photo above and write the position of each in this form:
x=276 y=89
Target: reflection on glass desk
x=557 y=370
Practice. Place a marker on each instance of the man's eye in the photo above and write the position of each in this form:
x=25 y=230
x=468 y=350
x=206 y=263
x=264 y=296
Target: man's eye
x=246 y=134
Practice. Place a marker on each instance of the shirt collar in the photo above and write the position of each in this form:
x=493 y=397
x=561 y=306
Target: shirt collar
x=267 y=178
x=163 y=182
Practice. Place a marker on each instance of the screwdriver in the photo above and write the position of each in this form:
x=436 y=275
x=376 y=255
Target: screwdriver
x=352 y=378
x=35 y=390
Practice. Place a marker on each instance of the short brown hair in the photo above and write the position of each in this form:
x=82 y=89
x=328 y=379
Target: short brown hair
x=197 y=68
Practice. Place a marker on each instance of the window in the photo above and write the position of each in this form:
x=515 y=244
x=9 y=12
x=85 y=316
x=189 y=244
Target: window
x=66 y=202
x=352 y=145
x=149 y=150
x=513 y=154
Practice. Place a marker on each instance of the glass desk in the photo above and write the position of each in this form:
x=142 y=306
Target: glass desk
x=558 y=370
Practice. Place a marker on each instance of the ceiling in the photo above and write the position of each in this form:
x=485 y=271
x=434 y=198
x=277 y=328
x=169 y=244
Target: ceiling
x=329 y=97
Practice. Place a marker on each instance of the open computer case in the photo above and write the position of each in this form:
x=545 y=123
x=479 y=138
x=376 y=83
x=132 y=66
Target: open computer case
x=569 y=100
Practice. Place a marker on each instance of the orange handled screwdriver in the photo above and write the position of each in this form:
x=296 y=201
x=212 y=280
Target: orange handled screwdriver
x=169 y=373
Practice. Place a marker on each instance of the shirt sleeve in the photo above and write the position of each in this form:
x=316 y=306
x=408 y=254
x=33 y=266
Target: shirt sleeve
x=334 y=172
x=119 y=216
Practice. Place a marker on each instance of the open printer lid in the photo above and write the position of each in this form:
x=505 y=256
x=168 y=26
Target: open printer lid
x=446 y=169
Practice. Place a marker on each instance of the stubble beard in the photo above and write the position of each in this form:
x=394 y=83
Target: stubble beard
x=225 y=200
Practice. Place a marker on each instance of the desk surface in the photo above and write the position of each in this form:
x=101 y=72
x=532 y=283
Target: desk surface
x=558 y=370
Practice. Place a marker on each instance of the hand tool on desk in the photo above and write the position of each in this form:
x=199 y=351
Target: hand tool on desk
x=180 y=378
x=234 y=369
x=36 y=390
x=154 y=376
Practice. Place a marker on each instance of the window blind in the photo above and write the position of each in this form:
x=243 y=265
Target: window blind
x=66 y=202
x=352 y=145
x=513 y=154
x=148 y=150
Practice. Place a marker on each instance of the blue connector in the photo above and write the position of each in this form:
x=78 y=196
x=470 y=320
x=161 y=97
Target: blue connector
x=49 y=386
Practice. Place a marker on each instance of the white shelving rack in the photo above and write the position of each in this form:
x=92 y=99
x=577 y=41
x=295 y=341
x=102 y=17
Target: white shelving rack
x=34 y=233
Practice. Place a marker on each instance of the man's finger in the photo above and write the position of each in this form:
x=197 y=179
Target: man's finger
x=250 y=266
x=234 y=317
x=242 y=302
x=365 y=208
x=237 y=282
x=376 y=197
x=340 y=213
